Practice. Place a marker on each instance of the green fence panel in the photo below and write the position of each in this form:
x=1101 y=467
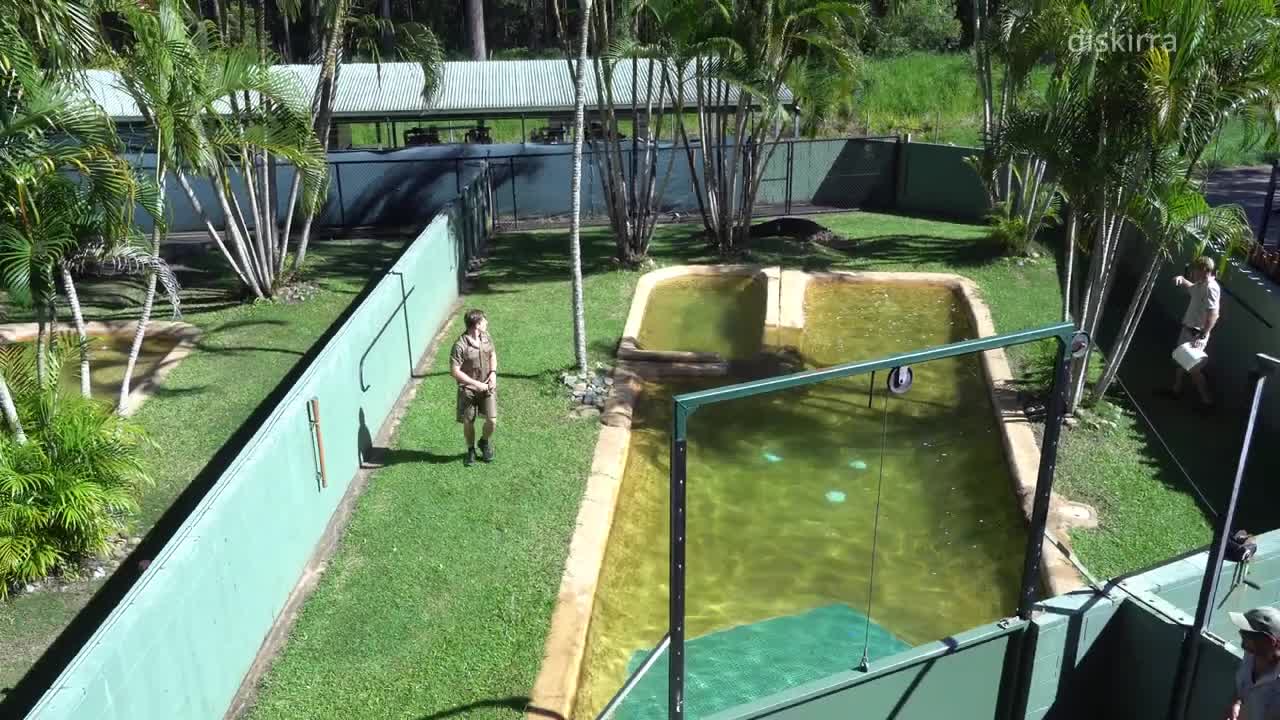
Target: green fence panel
x=180 y=641
x=1178 y=583
x=937 y=181
x=958 y=678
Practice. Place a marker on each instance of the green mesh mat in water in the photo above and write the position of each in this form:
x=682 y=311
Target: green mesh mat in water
x=749 y=662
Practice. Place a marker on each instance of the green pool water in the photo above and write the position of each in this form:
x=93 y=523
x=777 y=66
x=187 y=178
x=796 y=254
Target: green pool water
x=782 y=496
x=719 y=313
x=107 y=361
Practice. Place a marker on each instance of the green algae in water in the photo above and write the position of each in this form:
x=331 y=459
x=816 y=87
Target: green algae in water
x=765 y=541
x=719 y=313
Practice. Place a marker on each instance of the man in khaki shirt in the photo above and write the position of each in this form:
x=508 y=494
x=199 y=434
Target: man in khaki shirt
x=474 y=364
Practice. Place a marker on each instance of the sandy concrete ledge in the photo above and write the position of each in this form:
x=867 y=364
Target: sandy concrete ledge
x=1021 y=449
x=142 y=385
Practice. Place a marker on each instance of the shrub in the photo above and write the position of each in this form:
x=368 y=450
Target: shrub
x=1008 y=231
x=66 y=490
x=908 y=25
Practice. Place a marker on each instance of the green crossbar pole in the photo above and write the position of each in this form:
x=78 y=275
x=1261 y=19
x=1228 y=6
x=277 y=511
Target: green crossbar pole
x=689 y=402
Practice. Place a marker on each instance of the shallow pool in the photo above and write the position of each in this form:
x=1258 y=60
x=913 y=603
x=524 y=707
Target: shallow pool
x=109 y=354
x=782 y=502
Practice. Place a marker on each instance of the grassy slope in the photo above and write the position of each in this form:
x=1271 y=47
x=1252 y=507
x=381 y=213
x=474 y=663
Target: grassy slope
x=438 y=600
x=243 y=354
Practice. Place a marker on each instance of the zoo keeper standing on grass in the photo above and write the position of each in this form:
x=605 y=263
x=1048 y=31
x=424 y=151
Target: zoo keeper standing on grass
x=474 y=364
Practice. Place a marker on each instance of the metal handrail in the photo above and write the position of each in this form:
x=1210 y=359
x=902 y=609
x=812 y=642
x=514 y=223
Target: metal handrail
x=635 y=678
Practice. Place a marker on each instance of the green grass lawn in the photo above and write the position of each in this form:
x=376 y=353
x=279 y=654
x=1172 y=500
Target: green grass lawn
x=243 y=354
x=437 y=602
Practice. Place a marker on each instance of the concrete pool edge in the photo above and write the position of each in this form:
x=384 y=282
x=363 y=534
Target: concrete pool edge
x=556 y=687
x=142 y=385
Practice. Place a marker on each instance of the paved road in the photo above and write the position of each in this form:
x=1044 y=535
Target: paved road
x=1247 y=187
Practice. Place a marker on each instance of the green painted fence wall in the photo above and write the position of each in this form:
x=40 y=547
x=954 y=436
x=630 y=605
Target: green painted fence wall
x=937 y=181
x=961 y=677
x=178 y=645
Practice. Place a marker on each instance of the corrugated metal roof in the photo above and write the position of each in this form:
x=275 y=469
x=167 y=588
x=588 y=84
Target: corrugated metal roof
x=395 y=89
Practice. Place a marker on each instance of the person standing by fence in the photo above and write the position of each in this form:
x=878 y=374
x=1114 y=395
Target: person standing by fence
x=474 y=365
x=1197 y=322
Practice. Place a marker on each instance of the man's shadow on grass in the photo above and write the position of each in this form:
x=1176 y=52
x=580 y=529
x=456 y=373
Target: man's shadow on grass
x=373 y=457
x=519 y=704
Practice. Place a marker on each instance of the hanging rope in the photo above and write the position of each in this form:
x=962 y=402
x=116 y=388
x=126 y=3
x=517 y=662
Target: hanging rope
x=875 y=536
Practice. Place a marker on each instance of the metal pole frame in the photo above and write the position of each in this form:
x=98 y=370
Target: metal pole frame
x=685 y=405
x=1267 y=203
x=1188 y=657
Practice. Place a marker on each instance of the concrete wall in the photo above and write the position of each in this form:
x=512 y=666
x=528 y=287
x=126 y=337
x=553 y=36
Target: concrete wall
x=180 y=642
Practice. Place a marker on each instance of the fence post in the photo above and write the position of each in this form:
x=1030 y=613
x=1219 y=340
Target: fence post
x=1267 y=203
x=342 y=203
x=515 y=209
x=791 y=166
x=457 y=176
x=900 y=170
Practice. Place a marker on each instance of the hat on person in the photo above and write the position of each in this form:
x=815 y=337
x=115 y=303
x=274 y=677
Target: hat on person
x=1264 y=620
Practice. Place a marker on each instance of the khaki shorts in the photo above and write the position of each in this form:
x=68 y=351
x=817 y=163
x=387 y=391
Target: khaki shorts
x=471 y=403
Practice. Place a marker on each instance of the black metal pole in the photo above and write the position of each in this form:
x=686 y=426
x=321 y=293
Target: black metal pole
x=515 y=209
x=457 y=176
x=1217 y=551
x=675 y=684
x=791 y=167
x=1044 y=483
x=1266 y=204
x=342 y=204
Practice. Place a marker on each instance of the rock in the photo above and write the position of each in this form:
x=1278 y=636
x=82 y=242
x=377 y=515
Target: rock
x=99 y=573
x=579 y=388
x=608 y=381
x=1021 y=262
x=29 y=588
x=589 y=399
x=133 y=541
x=584 y=412
x=1070 y=422
x=1035 y=255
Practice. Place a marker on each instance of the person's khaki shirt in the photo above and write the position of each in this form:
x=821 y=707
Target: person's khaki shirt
x=475 y=358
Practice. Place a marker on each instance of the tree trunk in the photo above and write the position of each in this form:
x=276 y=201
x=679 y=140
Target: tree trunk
x=387 y=39
x=77 y=316
x=11 y=413
x=122 y=406
x=475 y=27
x=41 y=329
x=575 y=193
x=1129 y=327
x=325 y=85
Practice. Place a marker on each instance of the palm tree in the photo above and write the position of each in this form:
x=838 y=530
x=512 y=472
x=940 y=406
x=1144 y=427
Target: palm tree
x=47 y=131
x=755 y=48
x=575 y=191
x=343 y=25
x=219 y=112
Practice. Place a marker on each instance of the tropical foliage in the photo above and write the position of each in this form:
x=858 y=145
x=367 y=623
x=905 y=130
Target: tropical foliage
x=66 y=486
x=1120 y=133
